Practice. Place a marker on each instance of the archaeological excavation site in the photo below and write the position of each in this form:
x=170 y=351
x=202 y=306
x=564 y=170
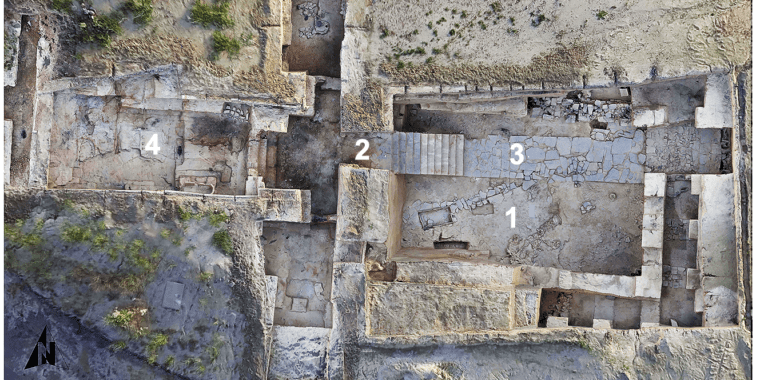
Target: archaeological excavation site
x=387 y=189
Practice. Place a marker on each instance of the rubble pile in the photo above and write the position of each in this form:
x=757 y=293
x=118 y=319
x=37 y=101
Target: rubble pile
x=579 y=109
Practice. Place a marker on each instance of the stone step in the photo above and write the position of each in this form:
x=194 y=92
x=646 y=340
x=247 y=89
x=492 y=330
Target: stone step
x=460 y=156
x=445 y=154
x=416 y=158
x=262 y=158
x=424 y=153
x=438 y=159
x=409 y=157
x=401 y=152
x=452 y=154
x=431 y=154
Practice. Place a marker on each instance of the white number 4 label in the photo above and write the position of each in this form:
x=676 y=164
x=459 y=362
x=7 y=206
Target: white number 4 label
x=152 y=145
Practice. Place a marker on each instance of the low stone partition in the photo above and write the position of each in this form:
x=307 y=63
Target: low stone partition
x=716 y=251
x=649 y=284
x=456 y=273
x=717 y=111
x=650 y=117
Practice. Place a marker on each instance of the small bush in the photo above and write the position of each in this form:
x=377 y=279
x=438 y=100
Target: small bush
x=119 y=345
x=482 y=25
x=62 y=5
x=141 y=9
x=224 y=43
x=385 y=33
x=165 y=233
x=400 y=65
x=440 y=20
x=76 y=234
x=177 y=241
x=416 y=32
x=213 y=14
x=223 y=241
x=120 y=318
x=169 y=361
x=188 y=250
x=157 y=341
x=100 y=241
x=205 y=276
x=496 y=7
x=217 y=218
x=101 y=29
x=601 y=15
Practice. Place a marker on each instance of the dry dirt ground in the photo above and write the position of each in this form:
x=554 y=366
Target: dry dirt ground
x=593 y=43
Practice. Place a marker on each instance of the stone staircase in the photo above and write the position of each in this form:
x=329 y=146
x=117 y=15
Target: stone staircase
x=262 y=158
x=430 y=154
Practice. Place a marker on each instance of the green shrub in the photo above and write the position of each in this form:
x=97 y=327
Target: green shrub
x=100 y=30
x=142 y=10
x=120 y=318
x=601 y=15
x=205 y=276
x=165 y=233
x=100 y=241
x=217 y=218
x=62 y=5
x=224 y=43
x=212 y=14
x=76 y=234
x=223 y=241
x=157 y=341
x=169 y=361
x=119 y=345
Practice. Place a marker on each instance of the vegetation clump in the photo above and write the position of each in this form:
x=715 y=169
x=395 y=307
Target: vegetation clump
x=223 y=241
x=217 y=218
x=101 y=28
x=601 y=15
x=212 y=14
x=142 y=10
x=62 y=5
x=223 y=43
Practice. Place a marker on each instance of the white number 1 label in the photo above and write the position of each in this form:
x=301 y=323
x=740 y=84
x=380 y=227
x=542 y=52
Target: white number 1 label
x=152 y=145
x=511 y=212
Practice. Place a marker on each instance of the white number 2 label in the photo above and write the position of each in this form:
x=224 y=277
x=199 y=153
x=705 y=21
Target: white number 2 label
x=511 y=212
x=361 y=156
x=152 y=145
x=518 y=148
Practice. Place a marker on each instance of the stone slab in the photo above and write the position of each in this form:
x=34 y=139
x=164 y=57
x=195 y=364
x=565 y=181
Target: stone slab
x=556 y=322
x=299 y=352
x=655 y=184
x=602 y=324
x=173 y=295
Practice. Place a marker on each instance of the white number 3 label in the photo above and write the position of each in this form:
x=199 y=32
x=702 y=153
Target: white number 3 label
x=361 y=156
x=518 y=148
x=152 y=145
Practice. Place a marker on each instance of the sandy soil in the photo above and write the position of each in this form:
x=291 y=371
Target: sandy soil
x=634 y=41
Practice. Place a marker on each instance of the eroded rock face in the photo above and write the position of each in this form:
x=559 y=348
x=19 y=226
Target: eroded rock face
x=410 y=309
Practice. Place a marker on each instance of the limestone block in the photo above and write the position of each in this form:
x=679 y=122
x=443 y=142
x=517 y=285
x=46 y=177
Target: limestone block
x=692 y=278
x=423 y=89
x=565 y=279
x=363 y=209
x=652 y=256
x=650 y=311
x=8 y=138
x=268 y=309
x=299 y=305
x=620 y=286
x=602 y=324
x=693 y=229
x=453 y=89
x=655 y=184
x=646 y=325
x=455 y=273
x=298 y=352
x=349 y=251
x=716 y=243
x=527 y=302
x=696 y=184
x=651 y=239
x=555 y=322
x=653 y=222
x=654 y=205
x=717 y=111
x=604 y=307
x=699 y=300
x=542 y=277
x=645 y=117
x=173 y=295
x=721 y=307
x=649 y=284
